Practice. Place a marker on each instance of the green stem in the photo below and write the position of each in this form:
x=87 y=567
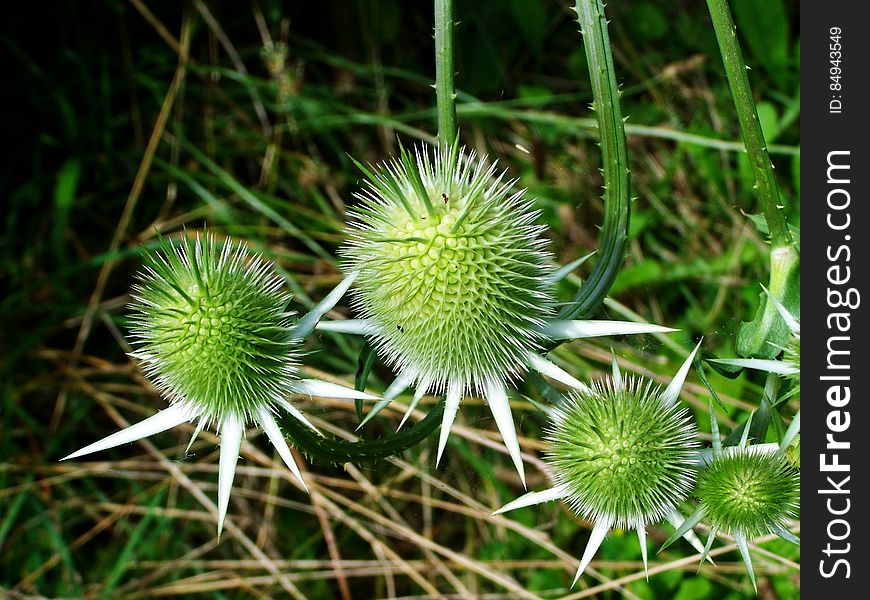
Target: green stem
x=750 y=127
x=445 y=93
x=614 y=153
x=757 y=338
x=343 y=451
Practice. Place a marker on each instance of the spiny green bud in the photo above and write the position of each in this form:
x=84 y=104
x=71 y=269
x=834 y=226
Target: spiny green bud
x=213 y=329
x=453 y=275
x=216 y=338
x=622 y=453
x=749 y=493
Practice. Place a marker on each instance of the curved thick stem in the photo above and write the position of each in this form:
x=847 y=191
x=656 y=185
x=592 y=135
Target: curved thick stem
x=342 y=451
x=614 y=152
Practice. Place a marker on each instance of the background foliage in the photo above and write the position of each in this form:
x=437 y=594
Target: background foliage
x=251 y=136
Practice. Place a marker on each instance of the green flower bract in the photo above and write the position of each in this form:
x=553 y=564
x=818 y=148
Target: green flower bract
x=622 y=453
x=792 y=356
x=749 y=493
x=453 y=274
x=212 y=329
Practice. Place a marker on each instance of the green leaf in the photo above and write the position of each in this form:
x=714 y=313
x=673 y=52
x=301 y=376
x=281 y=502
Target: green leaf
x=759 y=422
x=684 y=528
x=548 y=392
x=699 y=369
x=726 y=370
x=761 y=223
x=64 y=198
x=531 y=20
x=763 y=26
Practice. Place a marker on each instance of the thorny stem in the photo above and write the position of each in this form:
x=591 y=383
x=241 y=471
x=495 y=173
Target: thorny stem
x=784 y=258
x=614 y=152
x=750 y=127
x=445 y=93
x=343 y=451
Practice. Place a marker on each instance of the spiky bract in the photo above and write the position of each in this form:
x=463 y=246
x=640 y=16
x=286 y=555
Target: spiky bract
x=213 y=329
x=622 y=452
x=792 y=356
x=748 y=492
x=453 y=273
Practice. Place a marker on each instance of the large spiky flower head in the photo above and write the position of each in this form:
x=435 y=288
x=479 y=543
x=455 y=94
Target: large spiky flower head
x=453 y=283
x=453 y=275
x=747 y=491
x=622 y=454
x=214 y=333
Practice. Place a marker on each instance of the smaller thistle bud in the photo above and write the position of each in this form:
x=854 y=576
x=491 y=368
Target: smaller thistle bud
x=215 y=336
x=747 y=491
x=622 y=455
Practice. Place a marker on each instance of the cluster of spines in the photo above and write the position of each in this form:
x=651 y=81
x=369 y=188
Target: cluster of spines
x=212 y=329
x=622 y=453
x=749 y=492
x=792 y=356
x=453 y=269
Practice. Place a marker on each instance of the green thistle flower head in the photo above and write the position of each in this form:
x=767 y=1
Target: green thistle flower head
x=745 y=491
x=453 y=275
x=453 y=284
x=622 y=454
x=213 y=329
x=749 y=493
x=216 y=338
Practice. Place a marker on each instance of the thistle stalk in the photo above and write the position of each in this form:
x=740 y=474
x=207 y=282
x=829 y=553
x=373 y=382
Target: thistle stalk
x=750 y=127
x=784 y=258
x=444 y=72
x=614 y=152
